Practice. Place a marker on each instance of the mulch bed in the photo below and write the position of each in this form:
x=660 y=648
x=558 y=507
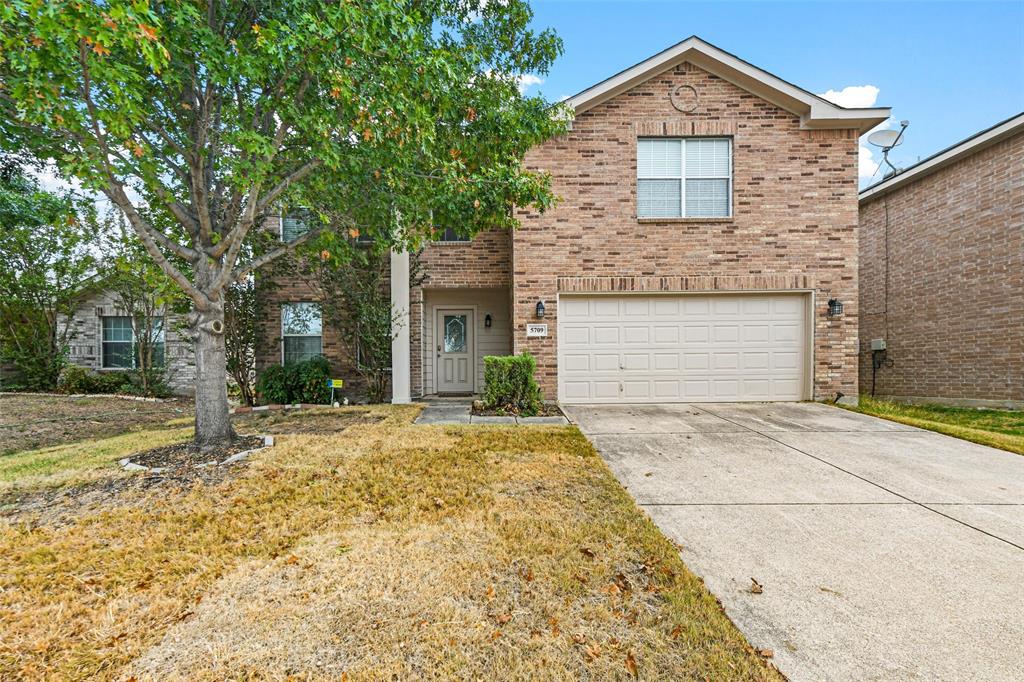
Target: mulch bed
x=187 y=455
x=61 y=506
x=548 y=410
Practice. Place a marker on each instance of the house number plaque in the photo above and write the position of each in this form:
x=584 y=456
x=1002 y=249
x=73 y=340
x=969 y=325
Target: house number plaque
x=533 y=330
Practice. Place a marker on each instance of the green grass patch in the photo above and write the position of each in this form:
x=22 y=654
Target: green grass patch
x=73 y=462
x=1003 y=429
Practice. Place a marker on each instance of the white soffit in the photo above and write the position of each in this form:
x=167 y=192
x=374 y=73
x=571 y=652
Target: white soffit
x=972 y=145
x=814 y=112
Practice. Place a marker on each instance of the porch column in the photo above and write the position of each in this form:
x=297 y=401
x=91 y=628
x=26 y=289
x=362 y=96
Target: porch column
x=401 y=374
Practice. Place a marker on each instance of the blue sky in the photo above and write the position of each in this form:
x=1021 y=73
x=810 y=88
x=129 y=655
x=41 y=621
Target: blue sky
x=950 y=68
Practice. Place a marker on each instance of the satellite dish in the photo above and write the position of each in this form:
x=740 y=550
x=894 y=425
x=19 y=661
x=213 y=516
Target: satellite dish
x=886 y=139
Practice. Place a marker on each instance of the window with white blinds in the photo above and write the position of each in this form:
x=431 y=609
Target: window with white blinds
x=684 y=177
x=295 y=224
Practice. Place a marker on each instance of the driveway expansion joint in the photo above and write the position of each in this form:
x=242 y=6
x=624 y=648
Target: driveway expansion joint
x=862 y=478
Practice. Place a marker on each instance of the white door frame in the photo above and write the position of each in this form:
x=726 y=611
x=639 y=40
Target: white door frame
x=810 y=327
x=439 y=311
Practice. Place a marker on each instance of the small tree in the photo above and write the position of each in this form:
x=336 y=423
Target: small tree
x=147 y=296
x=46 y=260
x=211 y=113
x=244 y=309
x=355 y=300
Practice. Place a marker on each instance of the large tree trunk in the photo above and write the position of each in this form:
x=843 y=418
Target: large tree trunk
x=213 y=423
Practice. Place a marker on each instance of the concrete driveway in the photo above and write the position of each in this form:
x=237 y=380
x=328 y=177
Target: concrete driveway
x=885 y=552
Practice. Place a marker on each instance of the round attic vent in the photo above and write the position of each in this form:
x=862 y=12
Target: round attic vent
x=684 y=98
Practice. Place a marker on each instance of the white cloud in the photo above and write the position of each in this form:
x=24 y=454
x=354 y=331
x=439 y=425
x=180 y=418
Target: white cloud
x=857 y=97
x=526 y=80
x=853 y=96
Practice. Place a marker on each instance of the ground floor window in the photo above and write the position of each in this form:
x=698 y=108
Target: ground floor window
x=301 y=332
x=120 y=345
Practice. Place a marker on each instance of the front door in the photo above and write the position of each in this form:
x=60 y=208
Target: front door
x=455 y=362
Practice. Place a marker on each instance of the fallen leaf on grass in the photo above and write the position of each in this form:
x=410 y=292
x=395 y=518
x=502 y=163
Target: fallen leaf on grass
x=578 y=638
x=756 y=587
x=587 y=552
x=593 y=651
x=292 y=560
x=631 y=664
x=503 y=618
x=495 y=635
x=676 y=631
x=766 y=653
x=611 y=588
x=490 y=593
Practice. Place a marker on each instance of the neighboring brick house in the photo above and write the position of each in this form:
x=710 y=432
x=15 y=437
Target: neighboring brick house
x=102 y=340
x=942 y=275
x=708 y=216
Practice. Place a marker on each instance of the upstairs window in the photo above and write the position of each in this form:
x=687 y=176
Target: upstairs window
x=450 y=235
x=301 y=332
x=295 y=224
x=120 y=346
x=684 y=177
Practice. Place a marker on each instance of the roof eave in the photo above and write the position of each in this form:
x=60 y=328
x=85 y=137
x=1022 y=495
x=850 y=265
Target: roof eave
x=972 y=145
x=814 y=112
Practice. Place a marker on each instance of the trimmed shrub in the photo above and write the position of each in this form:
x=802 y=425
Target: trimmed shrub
x=310 y=384
x=509 y=384
x=77 y=379
x=271 y=385
x=300 y=382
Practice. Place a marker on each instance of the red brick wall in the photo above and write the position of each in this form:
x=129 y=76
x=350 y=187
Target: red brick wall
x=955 y=308
x=794 y=221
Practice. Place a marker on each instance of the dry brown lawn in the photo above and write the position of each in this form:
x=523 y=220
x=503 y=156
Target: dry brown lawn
x=29 y=421
x=386 y=551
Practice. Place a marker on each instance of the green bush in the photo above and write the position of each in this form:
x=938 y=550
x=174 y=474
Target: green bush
x=271 y=386
x=300 y=382
x=509 y=384
x=77 y=379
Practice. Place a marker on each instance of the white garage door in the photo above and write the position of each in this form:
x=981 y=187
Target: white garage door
x=681 y=348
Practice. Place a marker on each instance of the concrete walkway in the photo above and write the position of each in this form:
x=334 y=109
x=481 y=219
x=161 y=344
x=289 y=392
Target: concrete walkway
x=885 y=552
x=459 y=411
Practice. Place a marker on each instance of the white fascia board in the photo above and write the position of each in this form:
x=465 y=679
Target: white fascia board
x=814 y=111
x=971 y=145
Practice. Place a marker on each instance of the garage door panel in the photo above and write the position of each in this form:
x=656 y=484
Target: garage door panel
x=666 y=335
x=572 y=336
x=682 y=348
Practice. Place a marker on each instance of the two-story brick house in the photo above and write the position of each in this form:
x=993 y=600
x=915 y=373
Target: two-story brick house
x=704 y=249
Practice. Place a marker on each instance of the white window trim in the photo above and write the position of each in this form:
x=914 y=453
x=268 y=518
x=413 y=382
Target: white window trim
x=302 y=336
x=134 y=342
x=683 y=178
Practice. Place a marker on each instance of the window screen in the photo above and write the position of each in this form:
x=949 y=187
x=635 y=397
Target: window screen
x=301 y=332
x=120 y=348
x=295 y=224
x=684 y=177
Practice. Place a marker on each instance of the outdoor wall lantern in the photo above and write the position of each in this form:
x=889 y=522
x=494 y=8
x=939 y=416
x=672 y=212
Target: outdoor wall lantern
x=540 y=309
x=835 y=307
x=487 y=320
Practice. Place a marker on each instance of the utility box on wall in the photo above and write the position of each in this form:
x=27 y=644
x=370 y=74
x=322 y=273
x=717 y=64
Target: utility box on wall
x=877 y=344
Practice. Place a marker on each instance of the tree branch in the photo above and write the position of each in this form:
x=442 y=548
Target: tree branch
x=274 y=254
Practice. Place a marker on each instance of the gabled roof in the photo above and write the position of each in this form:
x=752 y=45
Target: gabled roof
x=972 y=145
x=814 y=112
